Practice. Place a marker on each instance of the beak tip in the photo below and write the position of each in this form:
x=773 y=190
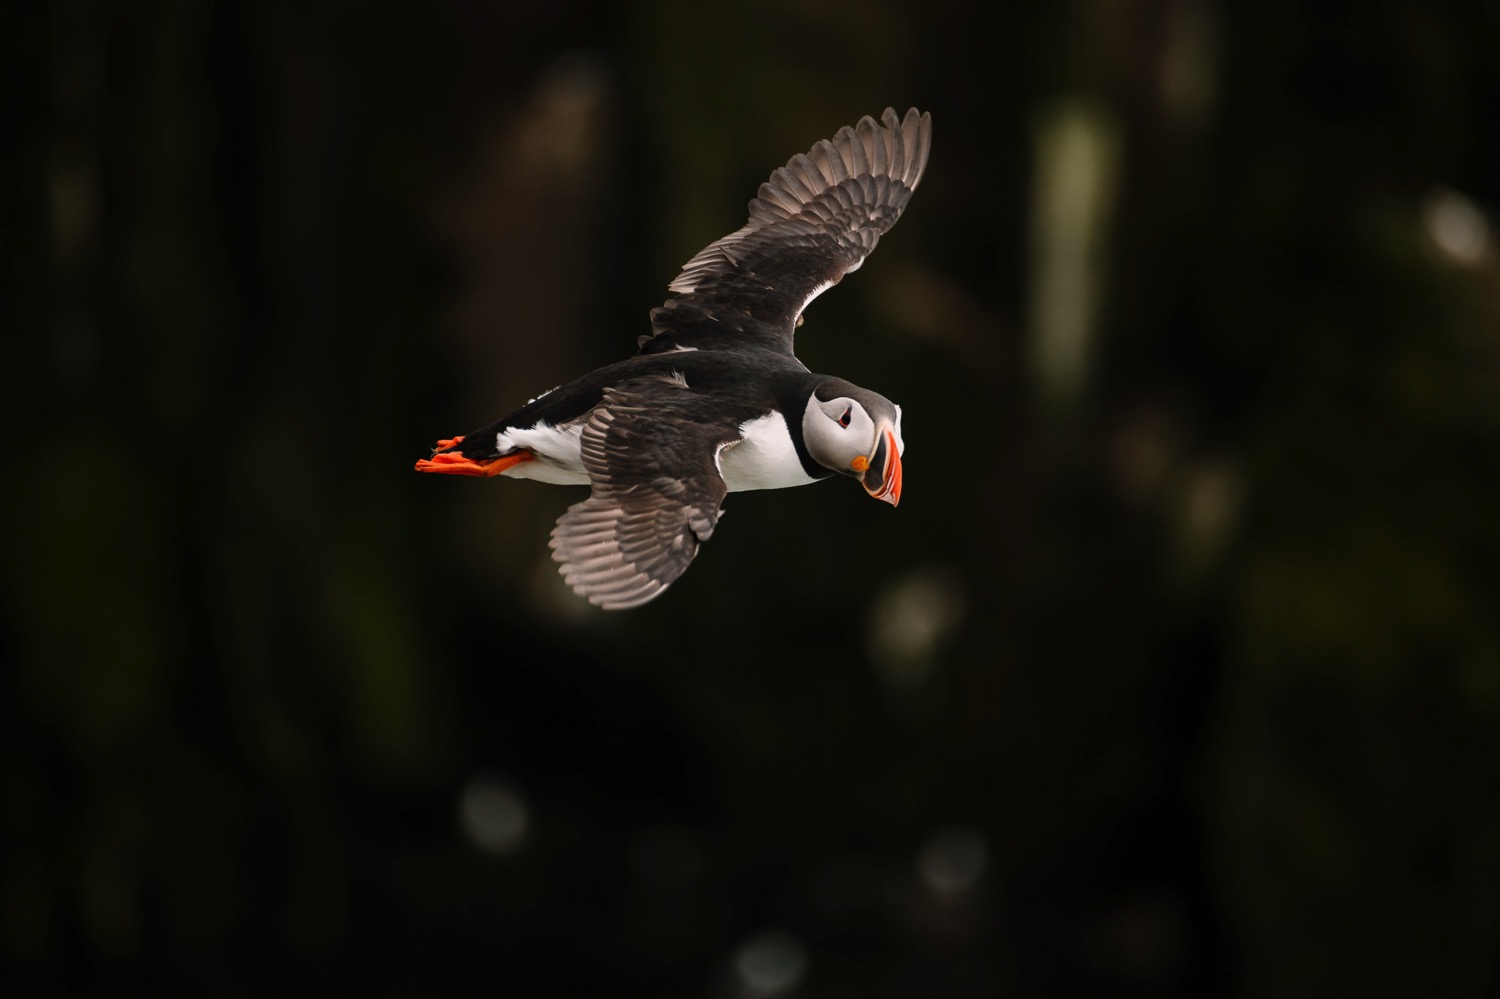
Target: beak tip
x=891 y=491
x=887 y=488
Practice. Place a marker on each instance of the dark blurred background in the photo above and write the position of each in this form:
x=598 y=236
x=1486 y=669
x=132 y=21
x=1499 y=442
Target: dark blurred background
x=1177 y=672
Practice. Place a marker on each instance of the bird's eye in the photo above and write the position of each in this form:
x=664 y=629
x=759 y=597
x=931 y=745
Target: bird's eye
x=844 y=420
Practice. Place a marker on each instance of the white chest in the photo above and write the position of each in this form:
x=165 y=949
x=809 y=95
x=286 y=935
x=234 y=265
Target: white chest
x=764 y=458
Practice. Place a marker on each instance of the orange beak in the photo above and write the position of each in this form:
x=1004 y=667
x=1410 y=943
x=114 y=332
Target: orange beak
x=883 y=478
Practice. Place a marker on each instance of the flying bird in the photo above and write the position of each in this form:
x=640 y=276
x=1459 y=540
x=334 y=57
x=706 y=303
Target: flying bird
x=714 y=401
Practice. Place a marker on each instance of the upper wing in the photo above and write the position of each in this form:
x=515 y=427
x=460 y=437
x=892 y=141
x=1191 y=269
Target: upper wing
x=814 y=221
x=653 y=465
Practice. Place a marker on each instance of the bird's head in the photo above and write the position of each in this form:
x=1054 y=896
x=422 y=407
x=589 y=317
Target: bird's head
x=857 y=433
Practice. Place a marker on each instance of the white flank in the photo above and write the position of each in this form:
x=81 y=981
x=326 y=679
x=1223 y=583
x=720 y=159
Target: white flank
x=556 y=449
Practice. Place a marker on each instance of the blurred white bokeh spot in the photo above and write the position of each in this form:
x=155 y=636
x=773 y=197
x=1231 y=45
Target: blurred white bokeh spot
x=1456 y=225
x=770 y=963
x=493 y=814
x=909 y=621
x=953 y=859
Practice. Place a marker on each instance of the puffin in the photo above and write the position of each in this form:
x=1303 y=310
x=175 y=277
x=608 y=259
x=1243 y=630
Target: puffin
x=715 y=401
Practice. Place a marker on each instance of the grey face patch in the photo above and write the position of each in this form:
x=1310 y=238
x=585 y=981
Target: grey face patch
x=842 y=426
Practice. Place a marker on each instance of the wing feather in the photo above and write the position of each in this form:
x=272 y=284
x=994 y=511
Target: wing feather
x=655 y=497
x=813 y=221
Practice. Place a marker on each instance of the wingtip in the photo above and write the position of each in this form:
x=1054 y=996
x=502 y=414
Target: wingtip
x=587 y=557
x=915 y=131
x=871 y=164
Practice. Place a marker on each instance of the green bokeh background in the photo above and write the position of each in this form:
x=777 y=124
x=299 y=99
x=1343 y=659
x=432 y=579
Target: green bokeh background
x=1194 y=660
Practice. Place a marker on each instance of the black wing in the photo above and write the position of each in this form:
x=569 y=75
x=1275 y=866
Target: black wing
x=814 y=221
x=653 y=466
